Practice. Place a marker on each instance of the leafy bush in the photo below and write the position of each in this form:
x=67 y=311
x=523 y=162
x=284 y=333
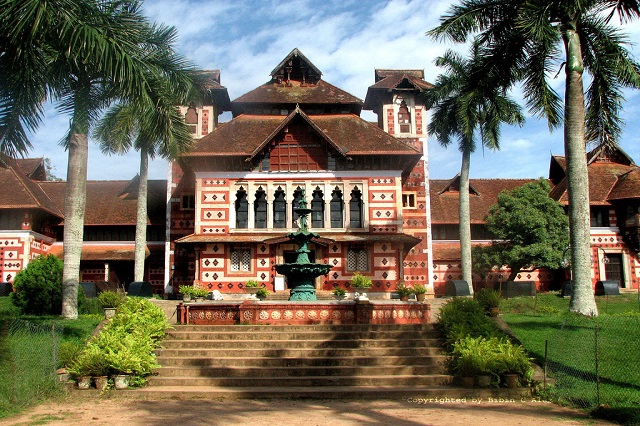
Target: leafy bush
x=403 y=291
x=462 y=317
x=186 y=290
x=252 y=284
x=339 y=291
x=361 y=281
x=38 y=287
x=200 y=292
x=419 y=289
x=110 y=299
x=68 y=352
x=262 y=293
x=488 y=299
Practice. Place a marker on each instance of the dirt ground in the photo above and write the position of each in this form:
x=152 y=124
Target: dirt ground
x=112 y=409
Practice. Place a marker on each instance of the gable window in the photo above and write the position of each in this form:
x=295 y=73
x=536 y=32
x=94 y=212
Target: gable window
x=357 y=259
x=279 y=209
x=317 y=209
x=409 y=200
x=242 y=209
x=260 y=209
x=188 y=202
x=295 y=203
x=336 y=207
x=355 y=209
x=240 y=260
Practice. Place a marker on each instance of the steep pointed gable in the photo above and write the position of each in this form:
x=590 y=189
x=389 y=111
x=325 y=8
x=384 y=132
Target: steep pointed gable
x=454 y=186
x=387 y=81
x=296 y=66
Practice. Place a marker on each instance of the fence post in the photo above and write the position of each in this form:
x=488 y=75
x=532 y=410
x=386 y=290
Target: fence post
x=597 y=371
x=546 y=356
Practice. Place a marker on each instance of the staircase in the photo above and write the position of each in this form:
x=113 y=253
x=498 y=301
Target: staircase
x=318 y=361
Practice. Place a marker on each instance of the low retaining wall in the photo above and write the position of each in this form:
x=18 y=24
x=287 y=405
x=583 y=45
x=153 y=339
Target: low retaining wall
x=274 y=312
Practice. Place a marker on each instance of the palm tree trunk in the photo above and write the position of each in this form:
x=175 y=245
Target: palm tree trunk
x=141 y=218
x=75 y=199
x=465 y=219
x=582 y=299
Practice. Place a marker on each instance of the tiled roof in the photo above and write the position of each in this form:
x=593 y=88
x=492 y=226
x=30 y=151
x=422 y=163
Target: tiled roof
x=217 y=92
x=20 y=192
x=628 y=186
x=393 y=80
x=448 y=250
x=444 y=205
x=106 y=251
x=281 y=94
x=108 y=203
x=31 y=167
x=349 y=133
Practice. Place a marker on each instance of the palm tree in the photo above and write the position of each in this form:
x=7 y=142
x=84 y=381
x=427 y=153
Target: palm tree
x=82 y=54
x=153 y=128
x=521 y=40
x=465 y=104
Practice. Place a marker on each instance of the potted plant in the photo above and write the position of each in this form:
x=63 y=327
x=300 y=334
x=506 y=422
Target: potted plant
x=200 y=293
x=473 y=357
x=512 y=363
x=252 y=286
x=339 y=293
x=420 y=291
x=110 y=300
x=404 y=292
x=187 y=292
x=262 y=293
x=90 y=363
x=360 y=283
x=489 y=300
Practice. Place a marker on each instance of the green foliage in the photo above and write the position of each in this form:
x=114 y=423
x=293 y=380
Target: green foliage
x=531 y=230
x=262 y=293
x=361 y=281
x=200 y=292
x=38 y=287
x=339 y=291
x=419 y=289
x=252 y=284
x=462 y=317
x=90 y=362
x=110 y=299
x=187 y=290
x=403 y=291
x=487 y=298
x=69 y=351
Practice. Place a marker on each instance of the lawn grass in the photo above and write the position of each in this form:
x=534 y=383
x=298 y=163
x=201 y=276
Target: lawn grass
x=571 y=355
x=29 y=347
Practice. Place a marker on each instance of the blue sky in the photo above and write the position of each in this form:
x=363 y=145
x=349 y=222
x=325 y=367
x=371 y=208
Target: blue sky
x=346 y=40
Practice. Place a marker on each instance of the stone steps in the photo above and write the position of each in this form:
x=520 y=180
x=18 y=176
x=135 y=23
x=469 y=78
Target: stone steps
x=297 y=344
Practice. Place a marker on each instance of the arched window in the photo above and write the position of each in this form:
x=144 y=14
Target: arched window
x=279 y=209
x=336 y=207
x=260 y=209
x=355 y=209
x=295 y=203
x=404 y=118
x=317 y=209
x=191 y=119
x=242 y=209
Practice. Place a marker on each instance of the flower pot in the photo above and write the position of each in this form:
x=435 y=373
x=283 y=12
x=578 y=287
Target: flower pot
x=404 y=298
x=100 y=382
x=483 y=380
x=251 y=290
x=186 y=298
x=510 y=380
x=494 y=312
x=109 y=312
x=121 y=381
x=361 y=290
x=339 y=296
x=84 y=382
x=420 y=297
x=199 y=299
x=467 y=381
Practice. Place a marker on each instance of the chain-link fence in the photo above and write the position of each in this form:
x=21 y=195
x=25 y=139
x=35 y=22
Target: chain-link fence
x=595 y=361
x=27 y=362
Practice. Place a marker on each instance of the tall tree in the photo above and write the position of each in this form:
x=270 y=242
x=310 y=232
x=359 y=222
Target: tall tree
x=466 y=104
x=521 y=40
x=154 y=128
x=82 y=54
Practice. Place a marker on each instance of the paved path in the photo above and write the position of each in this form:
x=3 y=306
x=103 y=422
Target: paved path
x=111 y=409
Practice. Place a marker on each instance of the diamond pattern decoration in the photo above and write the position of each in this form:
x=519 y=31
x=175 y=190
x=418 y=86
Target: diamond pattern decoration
x=385 y=274
x=263 y=275
x=215 y=276
x=263 y=262
x=215 y=249
x=207 y=263
x=335 y=275
x=335 y=262
x=215 y=262
x=263 y=249
x=334 y=248
x=385 y=261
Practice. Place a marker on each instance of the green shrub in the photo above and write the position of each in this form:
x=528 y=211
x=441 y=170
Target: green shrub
x=200 y=292
x=339 y=291
x=403 y=291
x=38 y=287
x=488 y=299
x=462 y=317
x=90 y=362
x=473 y=356
x=68 y=352
x=186 y=289
x=419 y=289
x=511 y=358
x=262 y=293
x=110 y=299
x=361 y=281
x=252 y=284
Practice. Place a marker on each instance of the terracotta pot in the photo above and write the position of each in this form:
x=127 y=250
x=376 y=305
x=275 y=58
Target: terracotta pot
x=84 y=382
x=420 y=297
x=510 y=380
x=484 y=381
x=121 y=381
x=186 y=298
x=494 y=312
x=404 y=298
x=467 y=381
x=100 y=382
x=109 y=312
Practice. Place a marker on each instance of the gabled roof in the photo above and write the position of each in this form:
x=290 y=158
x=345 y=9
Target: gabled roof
x=320 y=93
x=20 y=192
x=217 y=93
x=627 y=187
x=33 y=168
x=296 y=62
x=349 y=134
x=445 y=205
x=454 y=186
x=387 y=81
x=606 y=166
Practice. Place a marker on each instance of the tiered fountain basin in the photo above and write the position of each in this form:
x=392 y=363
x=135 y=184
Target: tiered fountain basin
x=294 y=313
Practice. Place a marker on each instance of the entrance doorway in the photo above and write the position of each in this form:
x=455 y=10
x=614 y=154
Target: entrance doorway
x=613 y=268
